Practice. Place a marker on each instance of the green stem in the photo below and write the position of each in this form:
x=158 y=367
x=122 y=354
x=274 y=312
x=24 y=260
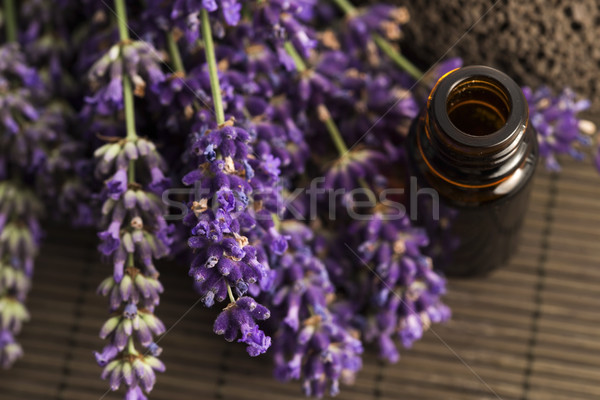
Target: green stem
x=129 y=124
x=209 y=49
x=130 y=260
x=322 y=110
x=129 y=109
x=385 y=46
x=122 y=19
x=127 y=89
x=128 y=105
x=396 y=57
x=347 y=7
x=178 y=62
x=10 y=20
x=230 y=293
x=276 y=221
x=333 y=130
x=298 y=61
x=174 y=53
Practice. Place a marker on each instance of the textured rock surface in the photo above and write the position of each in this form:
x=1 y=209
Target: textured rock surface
x=555 y=42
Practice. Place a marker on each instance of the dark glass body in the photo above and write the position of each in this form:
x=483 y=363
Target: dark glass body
x=474 y=146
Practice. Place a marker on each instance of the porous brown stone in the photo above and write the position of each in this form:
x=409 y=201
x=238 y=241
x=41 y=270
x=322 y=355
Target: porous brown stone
x=553 y=42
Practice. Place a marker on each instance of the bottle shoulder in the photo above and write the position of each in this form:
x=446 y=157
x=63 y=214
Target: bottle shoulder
x=476 y=189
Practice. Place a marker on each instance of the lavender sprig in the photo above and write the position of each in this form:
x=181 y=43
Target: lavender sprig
x=19 y=243
x=225 y=262
x=20 y=208
x=391 y=248
x=37 y=152
x=135 y=233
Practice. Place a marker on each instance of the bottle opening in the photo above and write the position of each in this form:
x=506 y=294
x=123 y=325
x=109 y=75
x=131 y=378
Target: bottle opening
x=478 y=106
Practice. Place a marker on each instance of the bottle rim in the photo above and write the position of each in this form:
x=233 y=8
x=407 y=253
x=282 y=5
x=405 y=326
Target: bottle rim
x=516 y=120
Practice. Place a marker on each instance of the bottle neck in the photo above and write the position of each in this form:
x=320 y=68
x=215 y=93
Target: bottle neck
x=473 y=127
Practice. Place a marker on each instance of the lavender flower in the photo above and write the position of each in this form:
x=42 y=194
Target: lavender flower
x=322 y=353
x=556 y=122
x=185 y=15
x=22 y=156
x=274 y=21
x=138 y=61
x=404 y=299
x=135 y=234
x=239 y=317
x=312 y=344
x=19 y=242
x=281 y=21
x=348 y=171
x=382 y=19
x=389 y=245
x=10 y=350
x=225 y=260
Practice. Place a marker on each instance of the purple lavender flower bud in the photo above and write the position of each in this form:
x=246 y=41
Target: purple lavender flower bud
x=555 y=120
x=135 y=393
x=10 y=350
x=138 y=60
x=444 y=67
x=154 y=349
x=182 y=14
x=108 y=354
x=117 y=185
x=110 y=238
x=240 y=317
x=323 y=354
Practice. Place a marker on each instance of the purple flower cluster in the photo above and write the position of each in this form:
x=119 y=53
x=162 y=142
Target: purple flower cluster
x=381 y=19
x=19 y=85
x=20 y=236
x=22 y=157
x=136 y=61
x=240 y=316
x=313 y=344
x=225 y=262
x=237 y=171
x=185 y=15
x=273 y=22
x=36 y=152
x=557 y=125
x=405 y=298
x=135 y=234
x=134 y=231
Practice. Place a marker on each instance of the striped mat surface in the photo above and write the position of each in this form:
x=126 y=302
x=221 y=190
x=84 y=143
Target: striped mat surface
x=530 y=331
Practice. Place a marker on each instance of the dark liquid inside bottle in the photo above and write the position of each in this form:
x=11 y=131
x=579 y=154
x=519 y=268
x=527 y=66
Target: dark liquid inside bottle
x=472 y=153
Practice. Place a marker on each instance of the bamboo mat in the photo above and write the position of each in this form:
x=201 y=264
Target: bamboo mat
x=530 y=331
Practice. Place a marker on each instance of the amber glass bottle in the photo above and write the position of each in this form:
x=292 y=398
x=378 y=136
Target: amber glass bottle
x=473 y=145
